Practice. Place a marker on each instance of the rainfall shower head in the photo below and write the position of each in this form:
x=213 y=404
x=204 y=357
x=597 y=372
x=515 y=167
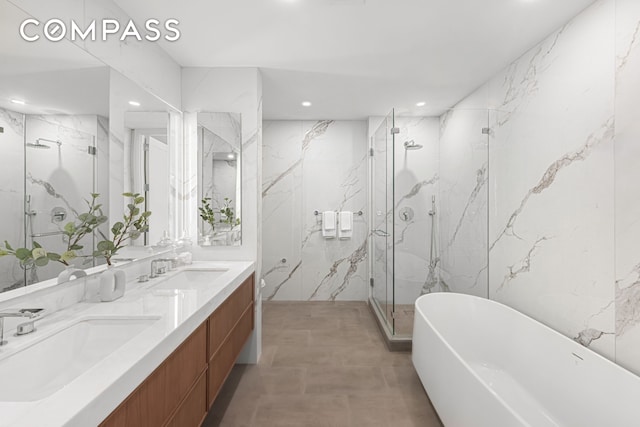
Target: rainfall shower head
x=39 y=143
x=411 y=145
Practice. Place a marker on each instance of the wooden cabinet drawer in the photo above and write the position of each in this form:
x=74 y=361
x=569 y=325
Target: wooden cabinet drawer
x=226 y=316
x=185 y=366
x=194 y=408
x=160 y=394
x=223 y=360
x=180 y=391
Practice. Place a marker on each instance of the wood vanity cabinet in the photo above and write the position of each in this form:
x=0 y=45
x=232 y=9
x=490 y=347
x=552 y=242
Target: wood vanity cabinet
x=180 y=392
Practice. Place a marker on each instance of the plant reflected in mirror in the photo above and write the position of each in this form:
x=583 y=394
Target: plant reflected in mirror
x=220 y=178
x=73 y=233
x=134 y=223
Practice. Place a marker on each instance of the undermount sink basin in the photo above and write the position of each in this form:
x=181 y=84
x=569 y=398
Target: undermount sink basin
x=47 y=365
x=190 y=279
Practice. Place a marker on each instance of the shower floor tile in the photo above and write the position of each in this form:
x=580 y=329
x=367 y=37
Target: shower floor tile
x=323 y=364
x=403 y=319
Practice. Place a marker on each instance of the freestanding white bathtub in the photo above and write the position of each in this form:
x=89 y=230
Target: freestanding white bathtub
x=484 y=364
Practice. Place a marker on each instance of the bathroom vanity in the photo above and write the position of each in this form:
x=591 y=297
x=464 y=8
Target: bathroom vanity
x=156 y=357
x=182 y=389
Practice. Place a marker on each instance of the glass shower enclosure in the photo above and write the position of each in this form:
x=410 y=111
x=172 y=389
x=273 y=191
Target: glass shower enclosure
x=382 y=233
x=429 y=203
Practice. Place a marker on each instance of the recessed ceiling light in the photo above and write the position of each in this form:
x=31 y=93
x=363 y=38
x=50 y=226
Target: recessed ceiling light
x=306 y=104
x=231 y=156
x=134 y=103
x=421 y=104
x=18 y=101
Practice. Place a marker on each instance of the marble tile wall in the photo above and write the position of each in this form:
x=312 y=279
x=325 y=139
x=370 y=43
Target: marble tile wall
x=11 y=194
x=563 y=202
x=551 y=212
x=462 y=213
x=308 y=166
x=627 y=187
x=416 y=181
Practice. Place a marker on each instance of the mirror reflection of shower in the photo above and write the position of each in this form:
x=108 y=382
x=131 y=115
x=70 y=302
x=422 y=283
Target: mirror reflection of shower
x=411 y=145
x=43 y=143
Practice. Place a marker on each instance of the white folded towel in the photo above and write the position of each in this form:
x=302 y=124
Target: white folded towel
x=329 y=224
x=346 y=225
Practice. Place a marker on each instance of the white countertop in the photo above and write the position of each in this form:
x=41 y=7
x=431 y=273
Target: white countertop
x=91 y=397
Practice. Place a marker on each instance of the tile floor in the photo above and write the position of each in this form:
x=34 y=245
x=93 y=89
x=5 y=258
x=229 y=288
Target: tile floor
x=323 y=364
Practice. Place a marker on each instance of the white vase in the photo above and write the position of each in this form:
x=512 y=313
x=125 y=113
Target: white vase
x=113 y=282
x=71 y=273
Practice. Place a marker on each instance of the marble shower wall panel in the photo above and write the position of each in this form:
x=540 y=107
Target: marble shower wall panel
x=416 y=182
x=12 y=179
x=464 y=163
x=627 y=189
x=307 y=166
x=334 y=178
x=282 y=210
x=551 y=174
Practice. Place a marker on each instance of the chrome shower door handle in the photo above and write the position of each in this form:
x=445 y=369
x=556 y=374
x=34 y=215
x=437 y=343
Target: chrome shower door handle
x=381 y=233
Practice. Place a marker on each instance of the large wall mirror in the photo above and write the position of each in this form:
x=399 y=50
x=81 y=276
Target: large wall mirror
x=148 y=164
x=143 y=125
x=54 y=119
x=70 y=128
x=219 y=180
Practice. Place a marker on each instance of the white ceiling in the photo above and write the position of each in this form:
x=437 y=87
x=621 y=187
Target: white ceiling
x=358 y=58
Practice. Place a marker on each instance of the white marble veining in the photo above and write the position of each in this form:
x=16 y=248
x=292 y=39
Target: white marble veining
x=627 y=188
x=542 y=180
x=310 y=166
x=95 y=393
x=551 y=173
x=416 y=180
x=464 y=171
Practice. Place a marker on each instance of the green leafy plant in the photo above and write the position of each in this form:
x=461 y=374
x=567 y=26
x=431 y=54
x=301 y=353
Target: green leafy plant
x=207 y=213
x=85 y=223
x=134 y=223
x=74 y=232
x=37 y=256
x=227 y=214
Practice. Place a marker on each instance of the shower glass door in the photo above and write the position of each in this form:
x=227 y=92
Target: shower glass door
x=382 y=196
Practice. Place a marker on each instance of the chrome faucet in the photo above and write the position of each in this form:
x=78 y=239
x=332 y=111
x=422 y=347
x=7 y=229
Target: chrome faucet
x=157 y=270
x=23 y=328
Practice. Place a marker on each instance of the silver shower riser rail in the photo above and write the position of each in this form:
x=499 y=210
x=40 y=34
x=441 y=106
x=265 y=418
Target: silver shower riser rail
x=317 y=212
